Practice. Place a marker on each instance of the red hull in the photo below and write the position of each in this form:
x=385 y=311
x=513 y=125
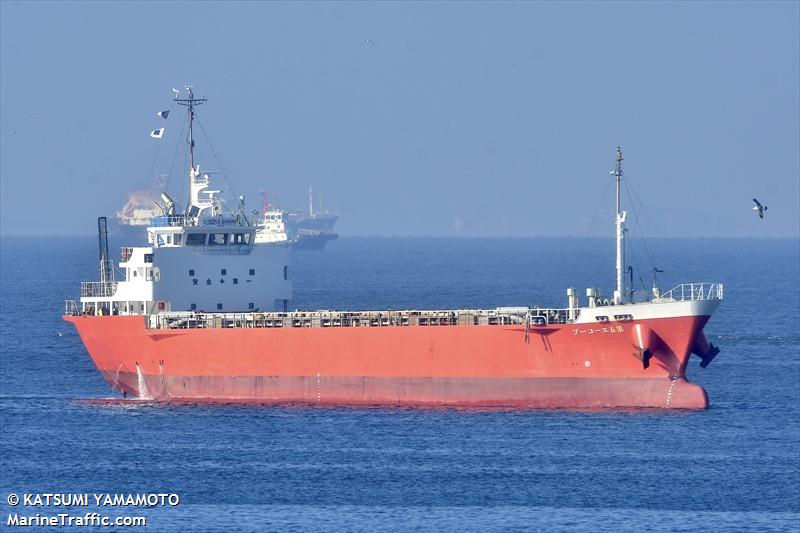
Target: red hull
x=562 y=366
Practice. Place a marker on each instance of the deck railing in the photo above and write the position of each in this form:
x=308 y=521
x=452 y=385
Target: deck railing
x=533 y=318
x=98 y=289
x=694 y=291
x=161 y=221
x=71 y=308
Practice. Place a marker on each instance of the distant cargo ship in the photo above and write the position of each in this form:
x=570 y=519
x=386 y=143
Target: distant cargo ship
x=301 y=231
x=202 y=316
x=131 y=221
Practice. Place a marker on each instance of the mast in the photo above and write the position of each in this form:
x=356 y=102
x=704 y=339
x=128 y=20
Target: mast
x=190 y=102
x=619 y=293
x=106 y=265
x=310 y=203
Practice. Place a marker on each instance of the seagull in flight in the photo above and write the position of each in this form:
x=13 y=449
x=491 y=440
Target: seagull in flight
x=758 y=208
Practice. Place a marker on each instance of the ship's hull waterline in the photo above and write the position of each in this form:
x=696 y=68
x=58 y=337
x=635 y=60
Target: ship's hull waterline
x=557 y=366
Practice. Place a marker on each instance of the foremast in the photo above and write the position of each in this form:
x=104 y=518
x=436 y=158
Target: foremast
x=619 y=292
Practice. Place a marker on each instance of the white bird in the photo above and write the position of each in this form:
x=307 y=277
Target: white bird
x=758 y=208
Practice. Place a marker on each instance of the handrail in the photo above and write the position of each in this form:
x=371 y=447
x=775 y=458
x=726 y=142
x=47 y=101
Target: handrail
x=71 y=308
x=296 y=319
x=694 y=291
x=125 y=254
x=95 y=289
x=162 y=221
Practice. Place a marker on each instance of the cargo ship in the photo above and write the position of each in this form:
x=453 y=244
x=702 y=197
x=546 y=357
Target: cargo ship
x=202 y=315
x=314 y=230
x=131 y=221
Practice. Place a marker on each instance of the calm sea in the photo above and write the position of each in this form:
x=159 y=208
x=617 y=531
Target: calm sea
x=734 y=467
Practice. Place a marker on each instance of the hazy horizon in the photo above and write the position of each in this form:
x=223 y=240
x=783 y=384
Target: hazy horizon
x=411 y=119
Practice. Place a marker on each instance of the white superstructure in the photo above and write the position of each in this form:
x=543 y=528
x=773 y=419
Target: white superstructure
x=201 y=259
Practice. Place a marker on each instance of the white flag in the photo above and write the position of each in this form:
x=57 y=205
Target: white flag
x=157 y=134
x=163 y=114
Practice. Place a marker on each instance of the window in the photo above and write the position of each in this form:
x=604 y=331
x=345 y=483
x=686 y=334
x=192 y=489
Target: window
x=191 y=272
x=285 y=272
x=235 y=281
x=193 y=307
x=224 y=272
x=252 y=271
x=251 y=305
x=148 y=258
x=177 y=239
x=195 y=281
x=219 y=307
x=196 y=239
x=161 y=306
x=217 y=239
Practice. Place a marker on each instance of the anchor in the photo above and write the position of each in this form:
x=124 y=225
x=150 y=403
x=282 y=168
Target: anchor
x=705 y=350
x=645 y=343
x=644 y=355
x=708 y=357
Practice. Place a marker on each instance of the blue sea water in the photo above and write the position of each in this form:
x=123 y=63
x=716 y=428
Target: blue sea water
x=734 y=467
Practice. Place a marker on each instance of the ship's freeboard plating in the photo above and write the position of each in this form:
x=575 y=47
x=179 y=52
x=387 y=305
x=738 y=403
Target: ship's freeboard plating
x=201 y=316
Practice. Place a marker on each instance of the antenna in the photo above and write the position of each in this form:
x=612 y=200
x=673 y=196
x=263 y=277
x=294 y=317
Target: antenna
x=619 y=295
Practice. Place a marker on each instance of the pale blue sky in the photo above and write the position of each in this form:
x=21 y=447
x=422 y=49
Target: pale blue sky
x=412 y=116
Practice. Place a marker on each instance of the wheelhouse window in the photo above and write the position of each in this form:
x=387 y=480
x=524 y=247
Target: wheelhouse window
x=219 y=306
x=196 y=239
x=148 y=258
x=240 y=238
x=217 y=239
